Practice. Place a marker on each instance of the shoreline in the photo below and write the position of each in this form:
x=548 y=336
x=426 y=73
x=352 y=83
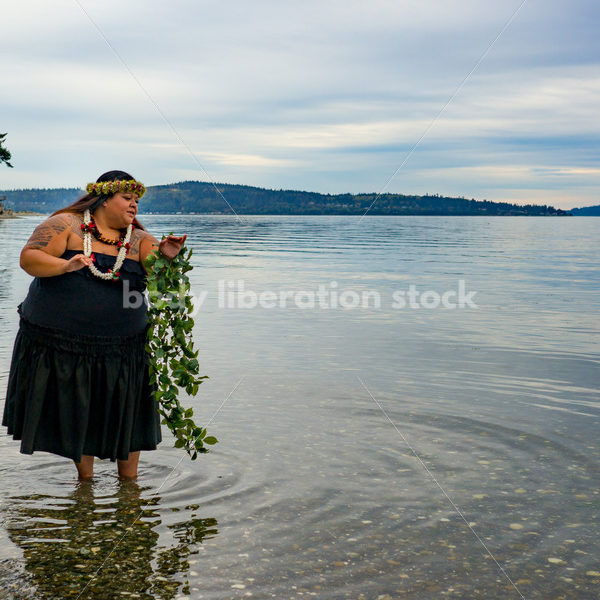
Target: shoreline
x=10 y=214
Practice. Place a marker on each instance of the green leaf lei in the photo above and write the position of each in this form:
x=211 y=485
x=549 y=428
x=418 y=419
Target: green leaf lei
x=173 y=361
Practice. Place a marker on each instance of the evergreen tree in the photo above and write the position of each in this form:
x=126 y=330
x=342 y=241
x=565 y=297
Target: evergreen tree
x=4 y=153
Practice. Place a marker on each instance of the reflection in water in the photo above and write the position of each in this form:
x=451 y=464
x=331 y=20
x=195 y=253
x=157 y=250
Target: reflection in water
x=100 y=546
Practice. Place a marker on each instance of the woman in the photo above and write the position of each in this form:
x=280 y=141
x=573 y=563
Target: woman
x=78 y=383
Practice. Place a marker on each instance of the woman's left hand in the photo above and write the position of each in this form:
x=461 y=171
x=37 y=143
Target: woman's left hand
x=171 y=245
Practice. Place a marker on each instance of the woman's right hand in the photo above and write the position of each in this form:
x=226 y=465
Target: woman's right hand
x=77 y=262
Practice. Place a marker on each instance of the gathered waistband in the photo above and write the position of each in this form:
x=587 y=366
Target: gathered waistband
x=81 y=343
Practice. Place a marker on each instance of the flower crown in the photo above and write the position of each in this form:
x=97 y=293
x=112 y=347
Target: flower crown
x=113 y=187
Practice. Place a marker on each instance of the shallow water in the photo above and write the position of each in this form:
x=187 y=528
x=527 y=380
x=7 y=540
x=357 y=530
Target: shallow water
x=363 y=452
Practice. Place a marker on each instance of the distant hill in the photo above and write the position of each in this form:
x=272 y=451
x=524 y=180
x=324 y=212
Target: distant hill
x=40 y=200
x=586 y=211
x=202 y=198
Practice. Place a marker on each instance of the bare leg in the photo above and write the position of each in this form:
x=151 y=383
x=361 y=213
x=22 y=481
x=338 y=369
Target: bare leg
x=128 y=468
x=85 y=468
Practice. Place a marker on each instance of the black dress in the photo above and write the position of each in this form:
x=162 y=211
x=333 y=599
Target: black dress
x=78 y=381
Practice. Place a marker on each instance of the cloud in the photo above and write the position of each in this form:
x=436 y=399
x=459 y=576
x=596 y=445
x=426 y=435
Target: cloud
x=322 y=96
x=250 y=160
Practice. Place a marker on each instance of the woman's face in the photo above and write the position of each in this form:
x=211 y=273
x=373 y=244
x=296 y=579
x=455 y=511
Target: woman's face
x=122 y=206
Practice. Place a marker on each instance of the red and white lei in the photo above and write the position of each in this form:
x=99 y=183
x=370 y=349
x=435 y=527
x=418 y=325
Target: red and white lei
x=113 y=273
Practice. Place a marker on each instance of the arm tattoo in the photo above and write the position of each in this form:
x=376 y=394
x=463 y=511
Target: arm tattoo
x=134 y=243
x=137 y=238
x=76 y=222
x=47 y=231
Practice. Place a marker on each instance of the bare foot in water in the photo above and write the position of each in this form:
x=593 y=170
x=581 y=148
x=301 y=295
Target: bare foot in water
x=128 y=468
x=85 y=468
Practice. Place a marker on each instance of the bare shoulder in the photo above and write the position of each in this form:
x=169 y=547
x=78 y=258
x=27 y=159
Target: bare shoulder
x=142 y=237
x=147 y=243
x=75 y=221
x=141 y=243
x=55 y=227
x=146 y=235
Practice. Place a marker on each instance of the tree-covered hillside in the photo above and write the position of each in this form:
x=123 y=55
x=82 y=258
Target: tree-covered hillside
x=206 y=198
x=586 y=211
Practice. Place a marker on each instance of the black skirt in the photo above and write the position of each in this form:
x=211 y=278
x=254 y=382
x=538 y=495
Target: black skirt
x=73 y=394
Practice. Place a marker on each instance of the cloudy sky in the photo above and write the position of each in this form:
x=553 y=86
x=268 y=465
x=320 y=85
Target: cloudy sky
x=327 y=96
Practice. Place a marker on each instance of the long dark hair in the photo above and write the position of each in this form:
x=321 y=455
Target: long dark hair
x=93 y=201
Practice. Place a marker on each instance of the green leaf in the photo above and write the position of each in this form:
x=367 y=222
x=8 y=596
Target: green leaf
x=172 y=360
x=210 y=440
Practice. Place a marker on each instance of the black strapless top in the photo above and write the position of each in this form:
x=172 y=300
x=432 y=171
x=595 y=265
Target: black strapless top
x=80 y=302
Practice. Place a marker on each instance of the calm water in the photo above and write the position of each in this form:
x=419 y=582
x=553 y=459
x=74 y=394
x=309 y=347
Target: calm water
x=364 y=453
